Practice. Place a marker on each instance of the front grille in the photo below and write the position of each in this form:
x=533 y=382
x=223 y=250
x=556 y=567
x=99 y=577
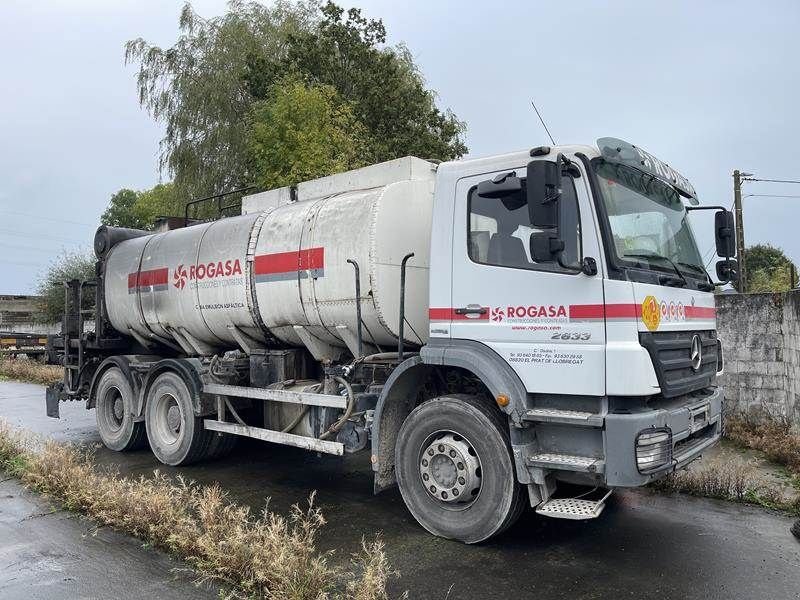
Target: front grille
x=671 y=355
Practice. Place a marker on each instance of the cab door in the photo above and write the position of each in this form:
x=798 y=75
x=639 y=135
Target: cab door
x=546 y=321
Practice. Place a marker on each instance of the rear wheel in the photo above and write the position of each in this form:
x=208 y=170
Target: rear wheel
x=455 y=470
x=114 y=407
x=176 y=435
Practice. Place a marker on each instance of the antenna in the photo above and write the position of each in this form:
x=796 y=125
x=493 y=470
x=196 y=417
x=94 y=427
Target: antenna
x=543 y=123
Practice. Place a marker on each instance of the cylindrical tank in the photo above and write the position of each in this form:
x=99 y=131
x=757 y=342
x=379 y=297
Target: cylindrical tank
x=260 y=276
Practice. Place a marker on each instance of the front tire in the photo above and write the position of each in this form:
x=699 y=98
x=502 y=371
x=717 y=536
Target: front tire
x=114 y=407
x=176 y=435
x=455 y=470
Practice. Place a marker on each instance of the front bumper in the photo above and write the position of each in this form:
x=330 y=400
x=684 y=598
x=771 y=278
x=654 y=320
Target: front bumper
x=695 y=425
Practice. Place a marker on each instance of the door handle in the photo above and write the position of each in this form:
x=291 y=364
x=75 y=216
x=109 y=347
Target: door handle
x=468 y=310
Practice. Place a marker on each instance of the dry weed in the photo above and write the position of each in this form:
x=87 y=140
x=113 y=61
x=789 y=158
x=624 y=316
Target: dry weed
x=718 y=479
x=257 y=556
x=774 y=437
x=22 y=369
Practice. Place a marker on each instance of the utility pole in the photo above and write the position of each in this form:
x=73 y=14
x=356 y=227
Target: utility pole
x=737 y=211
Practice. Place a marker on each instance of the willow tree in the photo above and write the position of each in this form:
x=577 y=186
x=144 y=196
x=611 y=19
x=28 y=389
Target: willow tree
x=217 y=81
x=197 y=89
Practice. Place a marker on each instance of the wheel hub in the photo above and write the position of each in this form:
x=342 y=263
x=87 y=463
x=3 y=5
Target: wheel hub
x=118 y=408
x=450 y=469
x=174 y=418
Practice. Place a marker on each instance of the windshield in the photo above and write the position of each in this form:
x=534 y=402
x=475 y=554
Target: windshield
x=648 y=219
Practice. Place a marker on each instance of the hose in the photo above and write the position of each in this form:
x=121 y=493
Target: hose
x=296 y=421
x=351 y=402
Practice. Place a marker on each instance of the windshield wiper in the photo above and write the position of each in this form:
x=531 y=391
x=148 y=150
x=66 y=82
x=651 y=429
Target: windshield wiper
x=680 y=282
x=705 y=286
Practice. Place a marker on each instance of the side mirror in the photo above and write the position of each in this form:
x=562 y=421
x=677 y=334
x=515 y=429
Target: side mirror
x=504 y=184
x=728 y=270
x=725 y=234
x=544 y=190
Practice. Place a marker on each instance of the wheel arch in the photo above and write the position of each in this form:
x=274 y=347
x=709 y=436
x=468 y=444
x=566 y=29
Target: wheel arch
x=123 y=364
x=400 y=394
x=188 y=369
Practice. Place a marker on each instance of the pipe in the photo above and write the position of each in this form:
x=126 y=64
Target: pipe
x=402 y=304
x=358 y=307
x=351 y=402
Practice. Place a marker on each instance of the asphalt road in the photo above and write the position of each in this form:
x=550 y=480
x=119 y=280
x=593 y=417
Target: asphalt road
x=643 y=546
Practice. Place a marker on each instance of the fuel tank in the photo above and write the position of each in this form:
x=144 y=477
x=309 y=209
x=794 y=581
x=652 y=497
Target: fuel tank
x=280 y=276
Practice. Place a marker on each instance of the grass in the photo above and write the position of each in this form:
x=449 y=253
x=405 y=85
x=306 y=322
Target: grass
x=774 y=437
x=263 y=555
x=30 y=371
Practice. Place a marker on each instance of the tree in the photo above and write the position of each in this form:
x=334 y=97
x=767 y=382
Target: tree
x=768 y=269
x=51 y=284
x=303 y=132
x=139 y=210
x=383 y=84
x=121 y=210
x=206 y=87
x=197 y=89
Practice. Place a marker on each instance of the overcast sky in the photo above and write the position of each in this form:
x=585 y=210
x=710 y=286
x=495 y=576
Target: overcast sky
x=706 y=86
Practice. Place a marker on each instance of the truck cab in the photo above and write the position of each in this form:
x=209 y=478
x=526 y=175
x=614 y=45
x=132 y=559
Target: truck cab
x=570 y=281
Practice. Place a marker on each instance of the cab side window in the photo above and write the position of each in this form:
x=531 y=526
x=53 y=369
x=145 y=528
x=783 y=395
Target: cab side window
x=500 y=231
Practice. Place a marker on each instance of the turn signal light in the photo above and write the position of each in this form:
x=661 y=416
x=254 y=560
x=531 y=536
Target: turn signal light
x=502 y=400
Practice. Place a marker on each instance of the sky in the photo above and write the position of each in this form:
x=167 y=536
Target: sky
x=708 y=87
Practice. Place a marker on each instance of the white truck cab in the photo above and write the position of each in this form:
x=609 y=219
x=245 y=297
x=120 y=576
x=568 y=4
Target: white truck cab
x=594 y=302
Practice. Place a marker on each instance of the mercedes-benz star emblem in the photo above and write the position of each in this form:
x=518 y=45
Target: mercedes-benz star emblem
x=696 y=353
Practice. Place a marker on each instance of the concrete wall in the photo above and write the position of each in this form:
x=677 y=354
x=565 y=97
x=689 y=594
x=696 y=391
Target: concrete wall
x=761 y=338
x=18 y=313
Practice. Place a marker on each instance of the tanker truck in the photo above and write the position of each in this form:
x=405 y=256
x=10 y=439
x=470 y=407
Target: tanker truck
x=530 y=328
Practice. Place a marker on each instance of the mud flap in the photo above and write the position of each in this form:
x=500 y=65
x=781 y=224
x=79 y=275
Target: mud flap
x=52 y=399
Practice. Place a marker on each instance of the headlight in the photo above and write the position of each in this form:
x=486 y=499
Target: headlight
x=653 y=449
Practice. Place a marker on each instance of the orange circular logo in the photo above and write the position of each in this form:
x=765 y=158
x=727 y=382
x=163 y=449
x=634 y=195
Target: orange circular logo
x=651 y=314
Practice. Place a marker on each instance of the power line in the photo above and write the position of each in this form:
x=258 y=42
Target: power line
x=770 y=180
x=30 y=248
x=41 y=218
x=20 y=263
x=770 y=196
x=37 y=235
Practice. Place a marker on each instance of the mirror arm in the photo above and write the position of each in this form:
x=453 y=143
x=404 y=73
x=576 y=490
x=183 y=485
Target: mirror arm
x=690 y=208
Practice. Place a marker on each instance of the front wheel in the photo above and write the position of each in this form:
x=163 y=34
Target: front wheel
x=455 y=470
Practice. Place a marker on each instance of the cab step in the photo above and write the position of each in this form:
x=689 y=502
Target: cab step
x=568 y=462
x=576 y=509
x=567 y=417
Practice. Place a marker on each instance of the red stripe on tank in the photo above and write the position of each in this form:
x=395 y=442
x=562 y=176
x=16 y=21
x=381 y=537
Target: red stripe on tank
x=148 y=278
x=290 y=262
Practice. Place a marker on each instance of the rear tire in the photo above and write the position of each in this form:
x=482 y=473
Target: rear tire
x=455 y=470
x=114 y=408
x=176 y=435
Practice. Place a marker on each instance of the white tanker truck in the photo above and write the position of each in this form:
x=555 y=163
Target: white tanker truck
x=534 y=327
